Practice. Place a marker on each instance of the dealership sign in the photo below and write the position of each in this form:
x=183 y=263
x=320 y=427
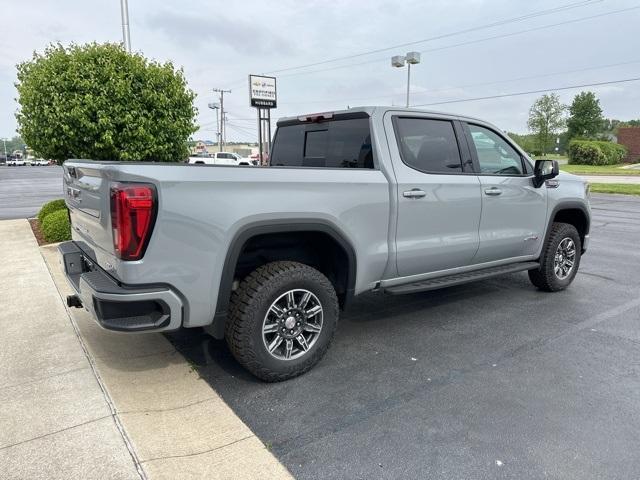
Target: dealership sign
x=262 y=91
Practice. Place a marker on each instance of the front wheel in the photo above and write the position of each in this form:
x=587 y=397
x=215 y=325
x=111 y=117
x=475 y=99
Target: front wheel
x=282 y=319
x=560 y=259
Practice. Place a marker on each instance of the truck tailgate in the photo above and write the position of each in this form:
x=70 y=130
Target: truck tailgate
x=86 y=188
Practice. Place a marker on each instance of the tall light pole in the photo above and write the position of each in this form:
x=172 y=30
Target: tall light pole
x=126 y=36
x=411 y=58
x=4 y=141
x=216 y=107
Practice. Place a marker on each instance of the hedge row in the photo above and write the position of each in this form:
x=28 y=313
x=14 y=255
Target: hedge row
x=54 y=221
x=592 y=152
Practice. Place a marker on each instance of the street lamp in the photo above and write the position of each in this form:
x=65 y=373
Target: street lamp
x=216 y=106
x=411 y=58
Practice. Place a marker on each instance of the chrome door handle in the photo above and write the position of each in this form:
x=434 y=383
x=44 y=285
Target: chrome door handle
x=414 y=193
x=493 y=191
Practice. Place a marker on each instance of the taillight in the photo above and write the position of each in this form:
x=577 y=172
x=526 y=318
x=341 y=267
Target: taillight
x=133 y=213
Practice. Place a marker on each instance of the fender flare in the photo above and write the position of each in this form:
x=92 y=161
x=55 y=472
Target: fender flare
x=568 y=205
x=245 y=233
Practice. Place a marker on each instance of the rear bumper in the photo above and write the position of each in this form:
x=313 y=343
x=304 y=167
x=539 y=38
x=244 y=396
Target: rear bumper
x=120 y=307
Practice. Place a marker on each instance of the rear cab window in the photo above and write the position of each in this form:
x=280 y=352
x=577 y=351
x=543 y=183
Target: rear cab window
x=428 y=145
x=342 y=141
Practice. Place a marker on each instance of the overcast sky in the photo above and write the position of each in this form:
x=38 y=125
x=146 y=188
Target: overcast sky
x=218 y=43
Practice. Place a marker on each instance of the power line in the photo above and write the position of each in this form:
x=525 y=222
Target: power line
x=241 y=131
x=596 y=84
x=495 y=82
x=469 y=42
x=446 y=35
x=438 y=37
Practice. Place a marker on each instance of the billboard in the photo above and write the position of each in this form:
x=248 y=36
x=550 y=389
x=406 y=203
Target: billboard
x=262 y=91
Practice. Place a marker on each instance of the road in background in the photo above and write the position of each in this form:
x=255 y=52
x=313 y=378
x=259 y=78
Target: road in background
x=23 y=190
x=493 y=379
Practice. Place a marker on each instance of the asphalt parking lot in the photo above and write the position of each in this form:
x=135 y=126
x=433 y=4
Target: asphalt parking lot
x=23 y=190
x=489 y=380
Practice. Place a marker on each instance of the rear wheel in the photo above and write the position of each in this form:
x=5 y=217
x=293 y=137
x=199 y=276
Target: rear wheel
x=283 y=317
x=560 y=259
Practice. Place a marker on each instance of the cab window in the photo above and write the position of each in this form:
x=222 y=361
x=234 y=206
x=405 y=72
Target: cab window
x=428 y=145
x=495 y=155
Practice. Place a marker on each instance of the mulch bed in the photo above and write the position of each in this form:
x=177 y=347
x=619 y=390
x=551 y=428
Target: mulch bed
x=37 y=231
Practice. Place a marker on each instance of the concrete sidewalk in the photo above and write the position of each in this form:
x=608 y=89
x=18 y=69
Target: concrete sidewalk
x=56 y=420
x=629 y=179
x=121 y=406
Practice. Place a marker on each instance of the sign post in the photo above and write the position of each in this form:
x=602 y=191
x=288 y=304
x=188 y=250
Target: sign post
x=263 y=97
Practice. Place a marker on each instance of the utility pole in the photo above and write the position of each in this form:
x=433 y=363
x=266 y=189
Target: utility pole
x=4 y=141
x=222 y=117
x=216 y=107
x=126 y=36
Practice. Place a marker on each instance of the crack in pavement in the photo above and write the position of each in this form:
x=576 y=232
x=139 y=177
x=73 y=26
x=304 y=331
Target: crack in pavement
x=199 y=453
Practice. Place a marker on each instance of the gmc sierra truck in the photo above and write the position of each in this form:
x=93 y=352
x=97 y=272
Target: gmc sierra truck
x=368 y=199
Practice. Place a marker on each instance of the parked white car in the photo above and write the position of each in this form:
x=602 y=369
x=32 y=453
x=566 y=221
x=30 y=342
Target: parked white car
x=221 y=158
x=19 y=162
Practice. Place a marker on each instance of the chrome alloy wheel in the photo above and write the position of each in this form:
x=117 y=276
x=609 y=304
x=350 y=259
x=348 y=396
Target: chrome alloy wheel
x=292 y=324
x=565 y=258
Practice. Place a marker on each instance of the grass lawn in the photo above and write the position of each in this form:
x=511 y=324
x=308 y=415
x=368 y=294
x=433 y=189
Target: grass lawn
x=599 y=169
x=627 y=189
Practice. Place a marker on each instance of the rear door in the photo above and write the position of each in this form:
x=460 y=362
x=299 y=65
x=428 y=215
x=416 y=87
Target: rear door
x=513 y=211
x=438 y=194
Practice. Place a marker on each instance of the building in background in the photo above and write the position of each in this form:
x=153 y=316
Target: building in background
x=629 y=137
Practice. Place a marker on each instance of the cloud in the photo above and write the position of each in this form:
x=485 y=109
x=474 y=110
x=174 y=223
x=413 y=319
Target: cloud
x=200 y=32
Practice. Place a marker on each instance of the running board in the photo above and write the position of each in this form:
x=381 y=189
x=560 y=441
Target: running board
x=460 y=278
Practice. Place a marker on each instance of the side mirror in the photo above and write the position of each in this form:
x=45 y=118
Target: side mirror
x=544 y=170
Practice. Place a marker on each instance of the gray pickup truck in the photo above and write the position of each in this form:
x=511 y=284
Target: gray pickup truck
x=368 y=199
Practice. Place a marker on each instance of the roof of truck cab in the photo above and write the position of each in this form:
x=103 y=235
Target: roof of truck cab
x=370 y=109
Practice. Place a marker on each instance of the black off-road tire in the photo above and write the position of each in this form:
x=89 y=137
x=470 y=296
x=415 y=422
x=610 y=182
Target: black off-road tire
x=249 y=304
x=544 y=277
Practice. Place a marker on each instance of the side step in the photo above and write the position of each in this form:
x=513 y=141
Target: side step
x=460 y=278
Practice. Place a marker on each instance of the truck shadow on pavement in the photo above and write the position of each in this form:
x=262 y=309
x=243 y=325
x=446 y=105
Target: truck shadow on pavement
x=381 y=316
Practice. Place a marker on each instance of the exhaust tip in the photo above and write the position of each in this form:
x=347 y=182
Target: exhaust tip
x=74 y=301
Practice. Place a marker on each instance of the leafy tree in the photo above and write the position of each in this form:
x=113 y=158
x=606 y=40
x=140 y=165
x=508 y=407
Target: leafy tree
x=99 y=101
x=585 y=116
x=546 y=118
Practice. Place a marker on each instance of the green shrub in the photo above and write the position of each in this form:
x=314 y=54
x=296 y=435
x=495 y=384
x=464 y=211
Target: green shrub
x=592 y=152
x=584 y=152
x=51 y=207
x=614 y=152
x=56 y=227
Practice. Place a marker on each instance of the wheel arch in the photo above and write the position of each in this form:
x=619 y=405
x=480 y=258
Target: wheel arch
x=571 y=212
x=251 y=231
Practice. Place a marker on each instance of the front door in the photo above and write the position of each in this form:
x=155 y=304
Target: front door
x=438 y=194
x=514 y=212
